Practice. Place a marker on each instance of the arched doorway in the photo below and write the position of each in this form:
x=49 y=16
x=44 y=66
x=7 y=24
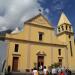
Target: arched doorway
x=40 y=59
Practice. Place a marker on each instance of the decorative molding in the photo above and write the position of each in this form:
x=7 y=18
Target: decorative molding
x=40 y=26
x=60 y=57
x=65 y=32
x=37 y=42
x=41 y=53
x=16 y=55
x=65 y=24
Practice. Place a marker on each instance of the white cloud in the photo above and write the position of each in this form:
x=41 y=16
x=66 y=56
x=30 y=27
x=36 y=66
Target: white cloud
x=47 y=10
x=14 y=12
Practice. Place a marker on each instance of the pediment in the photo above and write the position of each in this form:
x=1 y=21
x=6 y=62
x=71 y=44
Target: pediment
x=40 y=53
x=39 y=20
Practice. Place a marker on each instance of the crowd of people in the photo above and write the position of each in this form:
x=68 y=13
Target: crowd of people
x=60 y=71
x=52 y=71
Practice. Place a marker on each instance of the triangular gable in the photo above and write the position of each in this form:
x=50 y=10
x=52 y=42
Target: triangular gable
x=63 y=19
x=39 y=20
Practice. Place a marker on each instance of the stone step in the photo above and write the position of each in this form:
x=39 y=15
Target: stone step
x=19 y=73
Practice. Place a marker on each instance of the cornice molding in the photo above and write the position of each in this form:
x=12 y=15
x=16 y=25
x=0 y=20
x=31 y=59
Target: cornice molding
x=65 y=32
x=37 y=42
x=65 y=24
x=40 y=26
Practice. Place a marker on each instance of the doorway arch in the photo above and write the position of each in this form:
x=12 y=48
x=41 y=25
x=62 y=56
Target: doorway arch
x=40 y=59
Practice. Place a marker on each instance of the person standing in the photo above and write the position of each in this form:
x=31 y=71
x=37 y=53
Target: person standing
x=45 y=70
x=35 y=72
x=68 y=72
x=41 y=68
x=49 y=70
x=54 y=71
x=62 y=73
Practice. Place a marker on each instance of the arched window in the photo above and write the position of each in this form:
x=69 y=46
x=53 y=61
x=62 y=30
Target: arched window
x=69 y=36
x=60 y=61
x=59 y=51
x=58 y=29
x=66 y=27
x=70 y=28
x=62 y=27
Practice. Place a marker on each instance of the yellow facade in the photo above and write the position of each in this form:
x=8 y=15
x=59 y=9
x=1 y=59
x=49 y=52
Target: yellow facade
x=30 y=47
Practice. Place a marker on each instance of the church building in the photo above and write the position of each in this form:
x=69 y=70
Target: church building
x=40 y=44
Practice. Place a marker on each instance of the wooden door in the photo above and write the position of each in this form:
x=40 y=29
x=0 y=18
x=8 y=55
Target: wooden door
x=40 y=61
x=15 y=64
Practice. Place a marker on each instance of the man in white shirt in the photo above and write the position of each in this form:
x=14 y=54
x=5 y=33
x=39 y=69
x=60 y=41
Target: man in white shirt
x=54 y=71
x=45 y=70
x=35 y=72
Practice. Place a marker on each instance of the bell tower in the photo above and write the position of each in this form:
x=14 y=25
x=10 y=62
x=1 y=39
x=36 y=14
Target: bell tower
x=64 y=25
x=65 y=34
x=64 y=29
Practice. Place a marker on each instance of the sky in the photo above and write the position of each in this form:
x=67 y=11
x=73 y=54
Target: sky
x=13 y=13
